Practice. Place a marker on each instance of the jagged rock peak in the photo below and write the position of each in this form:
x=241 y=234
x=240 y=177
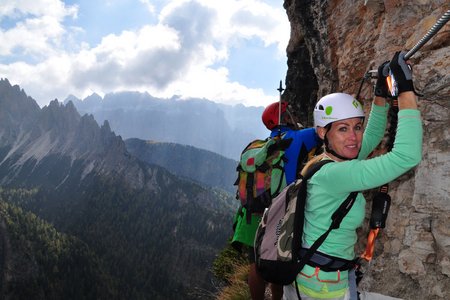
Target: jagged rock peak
x=88 y=123
x=62 y=112
x=14 y=99
x=105 y=127
x=4 y=83
x=89 y=118
x=71 y=98
x=71 y=107
x=93 y=98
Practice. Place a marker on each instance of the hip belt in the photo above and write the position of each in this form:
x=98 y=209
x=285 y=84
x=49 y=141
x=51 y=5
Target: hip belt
x=328 y=263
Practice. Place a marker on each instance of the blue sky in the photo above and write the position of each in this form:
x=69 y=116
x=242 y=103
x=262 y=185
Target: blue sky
x=228 y=51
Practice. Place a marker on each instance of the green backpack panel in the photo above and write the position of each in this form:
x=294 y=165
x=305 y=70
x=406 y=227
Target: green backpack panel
x=261 y=173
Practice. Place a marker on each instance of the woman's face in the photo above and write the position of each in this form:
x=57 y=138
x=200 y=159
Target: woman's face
x=344 y=137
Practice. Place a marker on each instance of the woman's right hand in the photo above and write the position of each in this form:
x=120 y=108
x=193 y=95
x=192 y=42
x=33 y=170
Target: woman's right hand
x=402 y=72
x=381 y=88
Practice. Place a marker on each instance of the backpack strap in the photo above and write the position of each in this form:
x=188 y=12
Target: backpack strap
x=336 y=218
x=278 y=189
x=302 y=157
x=301 y=203
x=250 y=199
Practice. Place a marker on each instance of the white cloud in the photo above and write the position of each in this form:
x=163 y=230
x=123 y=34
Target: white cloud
x=180 y=55
x=245 y=19
x=148 y=5
x=129 y=60
x=202 y=83
x=37 y=26
x=52 y=8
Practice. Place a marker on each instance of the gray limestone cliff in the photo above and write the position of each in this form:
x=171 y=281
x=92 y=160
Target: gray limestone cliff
x=332 y=45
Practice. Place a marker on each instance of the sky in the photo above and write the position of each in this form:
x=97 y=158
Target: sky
x=226 y=51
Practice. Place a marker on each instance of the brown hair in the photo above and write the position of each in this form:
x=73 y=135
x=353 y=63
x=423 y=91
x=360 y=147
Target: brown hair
x=312 y=161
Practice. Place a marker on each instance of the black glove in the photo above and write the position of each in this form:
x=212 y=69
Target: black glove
x=402 y=73
x=381 y=89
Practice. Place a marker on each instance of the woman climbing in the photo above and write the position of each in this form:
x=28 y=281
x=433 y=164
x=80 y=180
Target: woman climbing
x=339 y=121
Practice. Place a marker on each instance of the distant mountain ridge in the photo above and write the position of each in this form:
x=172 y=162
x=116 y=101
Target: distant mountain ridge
x=154 y=233
x=219 y=128
x=204 y=167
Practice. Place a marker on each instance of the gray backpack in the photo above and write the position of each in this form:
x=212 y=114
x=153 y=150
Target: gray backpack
x=278 y=251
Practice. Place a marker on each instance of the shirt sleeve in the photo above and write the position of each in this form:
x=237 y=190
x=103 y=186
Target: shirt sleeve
x=374 y=131
x=359 y=175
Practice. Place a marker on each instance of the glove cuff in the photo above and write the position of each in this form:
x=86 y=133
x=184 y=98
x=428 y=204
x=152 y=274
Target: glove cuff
x=405 y=86
x=380 y=92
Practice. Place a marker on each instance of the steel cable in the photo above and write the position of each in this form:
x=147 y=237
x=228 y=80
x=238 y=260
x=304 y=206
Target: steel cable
x=433 y=30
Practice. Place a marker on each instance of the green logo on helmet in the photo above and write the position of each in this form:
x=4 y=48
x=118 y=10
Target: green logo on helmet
x=328 y=110
x=355 y=103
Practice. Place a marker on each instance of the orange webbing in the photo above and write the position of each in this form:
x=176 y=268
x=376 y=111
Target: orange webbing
x=368 y=253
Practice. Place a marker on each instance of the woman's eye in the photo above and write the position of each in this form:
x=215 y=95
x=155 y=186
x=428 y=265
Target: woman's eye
x=343 y=129
x=358 y=127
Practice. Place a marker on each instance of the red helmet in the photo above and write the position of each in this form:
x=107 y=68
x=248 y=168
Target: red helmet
x=270 y=114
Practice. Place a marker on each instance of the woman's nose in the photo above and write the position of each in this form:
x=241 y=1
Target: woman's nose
x=352 y=135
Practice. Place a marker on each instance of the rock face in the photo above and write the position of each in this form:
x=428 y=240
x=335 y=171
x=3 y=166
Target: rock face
x=332 y=45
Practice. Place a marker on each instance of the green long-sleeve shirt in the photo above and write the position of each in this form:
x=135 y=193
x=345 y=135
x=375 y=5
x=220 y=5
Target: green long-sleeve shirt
x=330 y=186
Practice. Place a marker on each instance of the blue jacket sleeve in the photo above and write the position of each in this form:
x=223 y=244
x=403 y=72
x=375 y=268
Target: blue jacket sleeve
x=305 y=138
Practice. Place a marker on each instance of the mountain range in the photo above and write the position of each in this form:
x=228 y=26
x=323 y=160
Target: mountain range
x=75 y=199
x=202 y=166
x=220 y=128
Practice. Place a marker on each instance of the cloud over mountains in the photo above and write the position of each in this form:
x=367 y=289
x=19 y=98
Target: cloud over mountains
x=197 y=48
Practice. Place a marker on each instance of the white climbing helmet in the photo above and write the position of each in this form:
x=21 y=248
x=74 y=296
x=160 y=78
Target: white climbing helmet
x=335 y=107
